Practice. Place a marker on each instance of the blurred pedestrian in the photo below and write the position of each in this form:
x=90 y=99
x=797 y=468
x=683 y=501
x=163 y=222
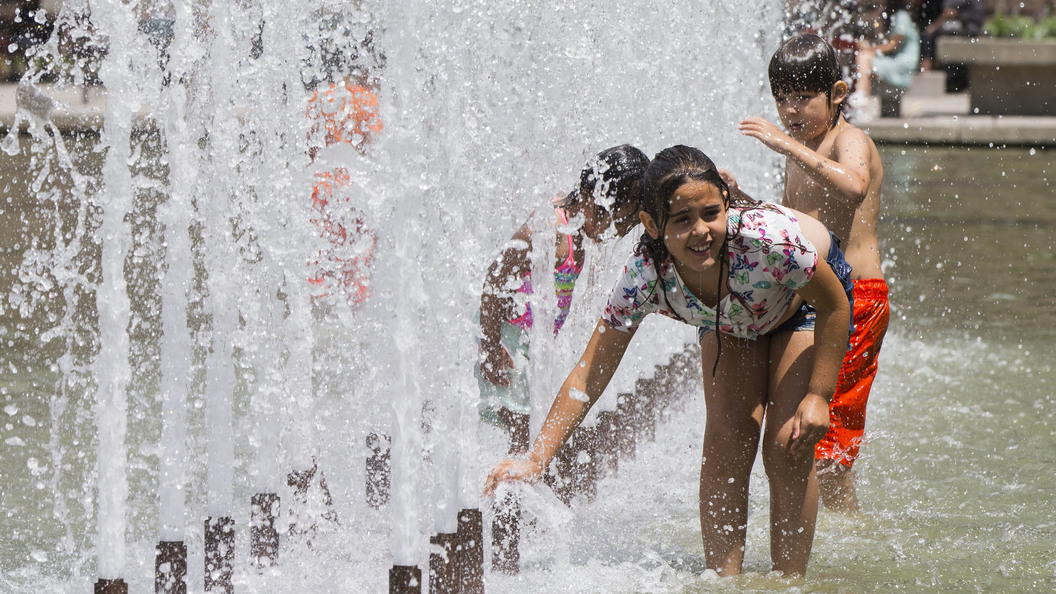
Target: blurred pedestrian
x=893 y=60
x=958 y=17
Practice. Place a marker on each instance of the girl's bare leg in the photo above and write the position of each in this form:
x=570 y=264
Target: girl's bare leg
x=793 y=483
x=735 y=398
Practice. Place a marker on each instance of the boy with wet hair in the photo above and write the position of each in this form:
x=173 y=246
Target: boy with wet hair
x=833 y=173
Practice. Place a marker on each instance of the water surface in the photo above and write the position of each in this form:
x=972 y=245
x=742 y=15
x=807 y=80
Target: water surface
x=956 y=476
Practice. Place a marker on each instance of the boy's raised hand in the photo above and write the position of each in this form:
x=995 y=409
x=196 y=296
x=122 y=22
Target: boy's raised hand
x=764 y=131
x=731 y=181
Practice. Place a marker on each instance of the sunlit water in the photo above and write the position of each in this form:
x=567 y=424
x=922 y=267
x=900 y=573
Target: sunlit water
x=956 y=478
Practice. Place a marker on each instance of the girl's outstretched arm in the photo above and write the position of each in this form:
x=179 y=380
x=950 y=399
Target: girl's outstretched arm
x=581 y=390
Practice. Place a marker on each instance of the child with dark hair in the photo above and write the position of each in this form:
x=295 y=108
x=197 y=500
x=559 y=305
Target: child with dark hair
x=806 y=64
x=739 y=271
x=833 y=173
x=343 y=109
x=604 y=204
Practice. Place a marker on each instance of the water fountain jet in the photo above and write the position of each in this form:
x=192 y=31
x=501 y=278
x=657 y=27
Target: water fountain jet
x=243 y=382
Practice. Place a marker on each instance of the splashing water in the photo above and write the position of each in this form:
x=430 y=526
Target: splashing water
x=181 y=360
x=167 y=357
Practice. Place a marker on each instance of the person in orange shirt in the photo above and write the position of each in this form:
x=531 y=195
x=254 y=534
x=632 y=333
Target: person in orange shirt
x=342 y=108
x=343 y=112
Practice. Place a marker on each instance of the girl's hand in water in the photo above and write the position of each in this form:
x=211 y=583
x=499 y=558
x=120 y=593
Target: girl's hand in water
x=527 y=471
x=495 y=363
x=809 y=425
x=767 y=133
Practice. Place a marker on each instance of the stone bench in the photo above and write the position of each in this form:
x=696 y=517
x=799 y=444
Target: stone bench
x=1006 y=76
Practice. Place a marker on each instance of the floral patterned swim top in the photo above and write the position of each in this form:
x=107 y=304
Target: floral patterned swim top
x=565 y=276
x=768 y=259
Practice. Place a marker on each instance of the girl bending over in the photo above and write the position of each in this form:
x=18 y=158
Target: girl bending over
x=740 y=271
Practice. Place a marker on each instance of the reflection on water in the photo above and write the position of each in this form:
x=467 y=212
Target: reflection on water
x=968 y=237
x=956 y=475
x=961 y=434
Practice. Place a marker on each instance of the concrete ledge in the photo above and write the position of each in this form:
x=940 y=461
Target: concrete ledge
x=1005 y=76
x=947 y=104
x=973 y=130
x=986 y=51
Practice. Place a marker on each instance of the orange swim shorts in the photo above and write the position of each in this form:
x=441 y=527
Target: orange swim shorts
x=847 y=410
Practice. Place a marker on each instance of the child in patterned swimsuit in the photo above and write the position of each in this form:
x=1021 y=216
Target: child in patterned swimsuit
x=735 y=267
x=608 y=196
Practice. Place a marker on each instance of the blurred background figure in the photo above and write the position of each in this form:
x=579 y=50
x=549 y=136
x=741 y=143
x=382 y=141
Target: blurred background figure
x=844 y=24
x=829 y=19
x=340 y=73
x=927 y=13
x=890 y=60
x=956 y=17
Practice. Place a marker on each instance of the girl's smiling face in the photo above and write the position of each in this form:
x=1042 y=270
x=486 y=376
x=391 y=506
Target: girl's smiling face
x=696 y=227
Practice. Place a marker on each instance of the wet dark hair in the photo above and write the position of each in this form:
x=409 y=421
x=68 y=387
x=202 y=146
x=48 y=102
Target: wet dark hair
x=805 y=63
x=668 y=171
x=340 y=47
x=614 y=177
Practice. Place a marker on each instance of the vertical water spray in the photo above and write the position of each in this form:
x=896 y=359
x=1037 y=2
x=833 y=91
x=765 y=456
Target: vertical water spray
x=112 y=368
x=489 y=110
x=177 y=282
x=403 y=280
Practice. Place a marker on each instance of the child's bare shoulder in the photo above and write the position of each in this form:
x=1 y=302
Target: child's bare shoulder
x=851 y=136
x=853 y=147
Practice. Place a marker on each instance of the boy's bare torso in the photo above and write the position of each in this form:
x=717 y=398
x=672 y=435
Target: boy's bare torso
x=854 y=222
